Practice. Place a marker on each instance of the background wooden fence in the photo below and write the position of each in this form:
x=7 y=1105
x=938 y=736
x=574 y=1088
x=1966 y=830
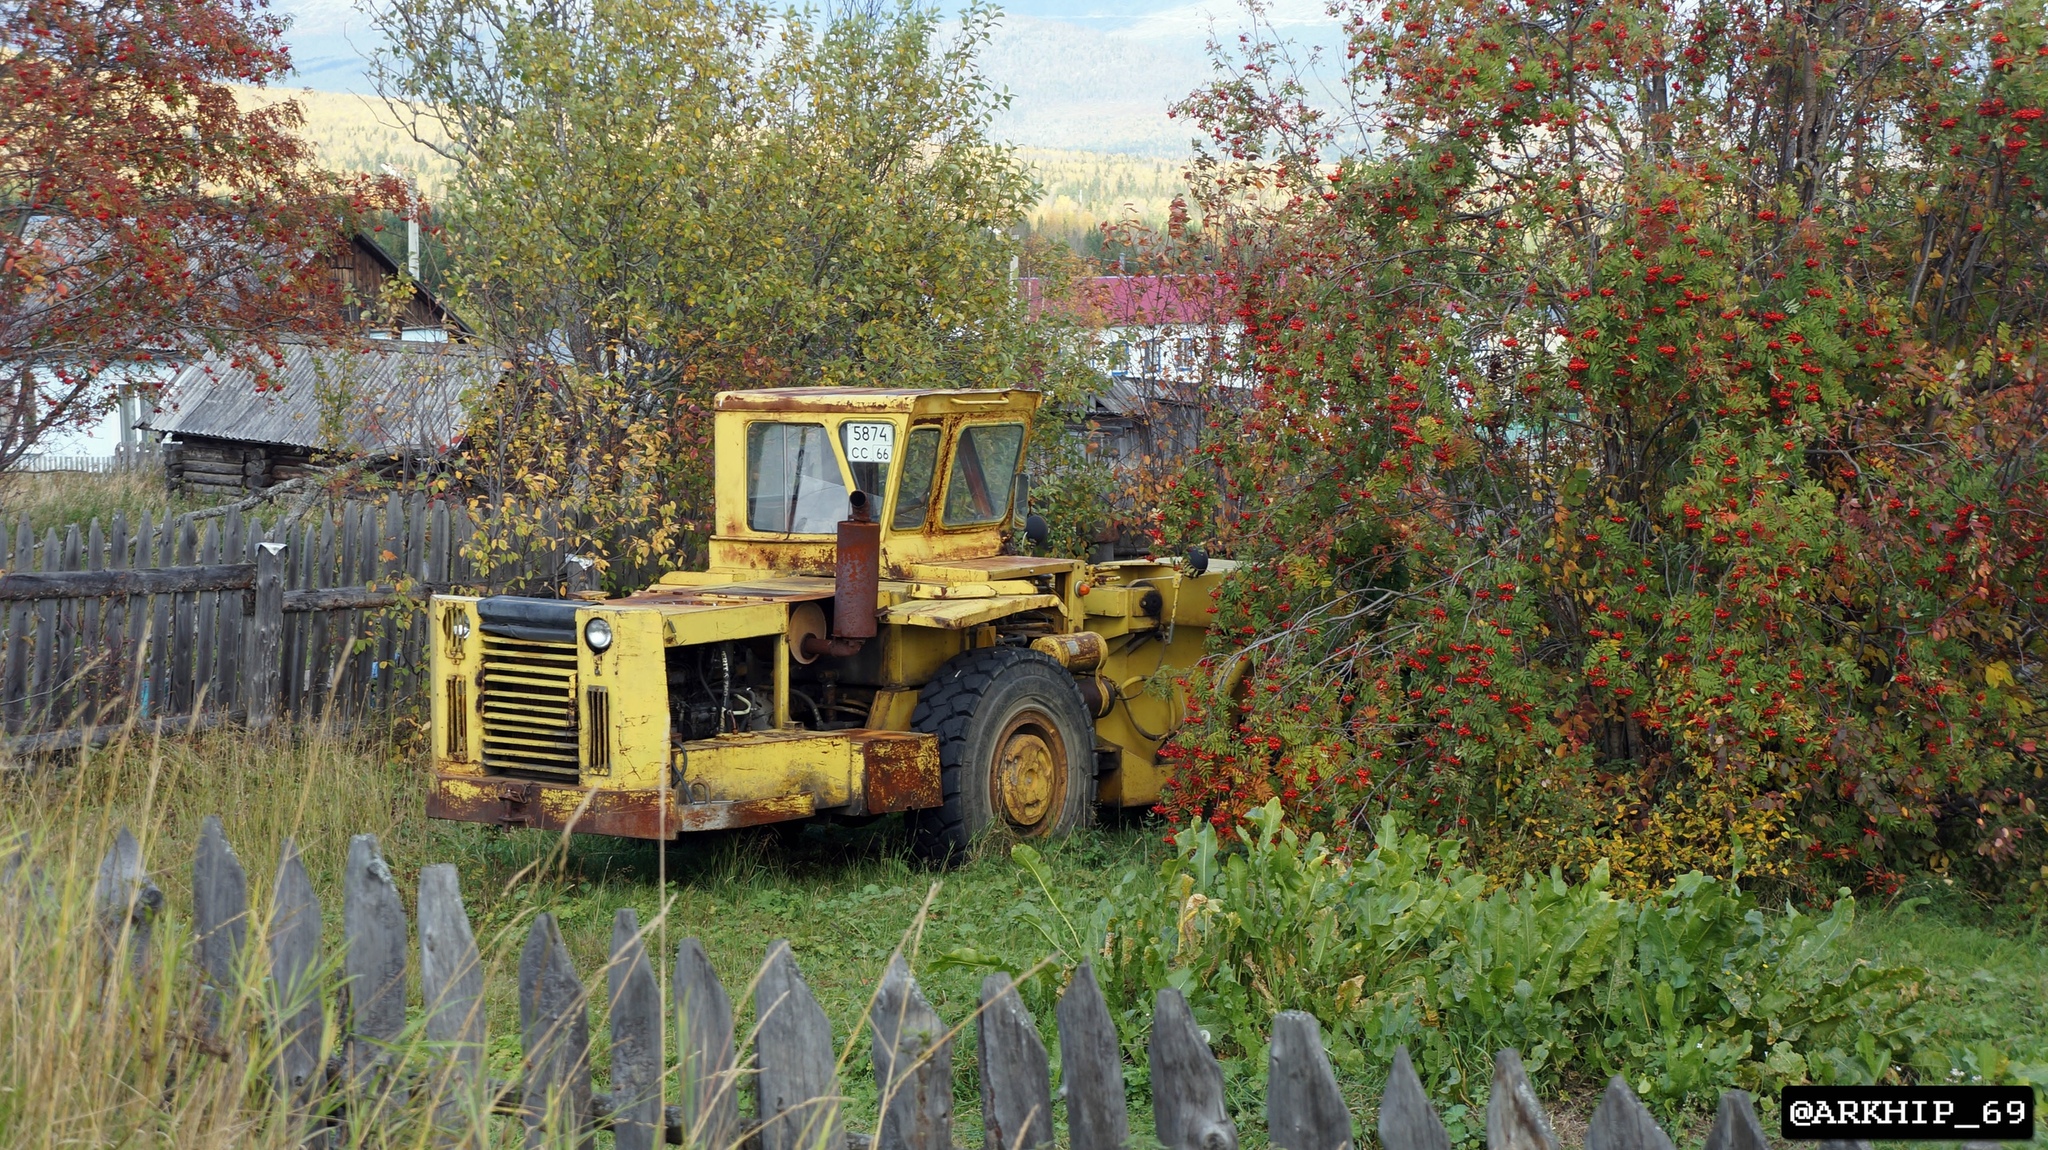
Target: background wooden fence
x=173 y=619
x=127 y=457
x=689 y=1092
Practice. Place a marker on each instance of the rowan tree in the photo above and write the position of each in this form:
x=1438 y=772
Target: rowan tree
x=1644 y=457
x=147 y=217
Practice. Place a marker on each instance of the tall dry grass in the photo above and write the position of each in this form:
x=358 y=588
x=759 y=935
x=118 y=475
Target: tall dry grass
x=104 y=1034
x=105 y=1031
x=60 y=498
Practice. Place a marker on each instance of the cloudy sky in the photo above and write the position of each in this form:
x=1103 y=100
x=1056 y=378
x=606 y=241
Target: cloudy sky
x=1094 y=74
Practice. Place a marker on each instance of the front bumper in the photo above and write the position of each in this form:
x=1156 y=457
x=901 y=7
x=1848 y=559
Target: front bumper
x=738 y=781
x=586 y=810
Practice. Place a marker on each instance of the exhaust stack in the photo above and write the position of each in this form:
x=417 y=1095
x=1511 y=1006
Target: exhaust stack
x=855 y=583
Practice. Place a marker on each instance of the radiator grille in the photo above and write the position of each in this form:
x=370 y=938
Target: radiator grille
x=529 y=706
x=597 y=710
x=457 y=705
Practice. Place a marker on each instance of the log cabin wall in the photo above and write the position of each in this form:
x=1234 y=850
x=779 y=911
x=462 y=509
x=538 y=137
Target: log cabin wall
x=202 y=466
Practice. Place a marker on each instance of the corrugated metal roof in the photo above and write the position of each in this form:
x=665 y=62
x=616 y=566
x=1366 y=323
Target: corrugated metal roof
x=374 y=396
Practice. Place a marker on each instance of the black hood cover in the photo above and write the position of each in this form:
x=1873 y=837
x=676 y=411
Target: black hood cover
x=520 y=617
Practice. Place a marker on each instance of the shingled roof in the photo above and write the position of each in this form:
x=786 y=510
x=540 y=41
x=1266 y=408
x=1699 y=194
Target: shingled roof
x=367 y=397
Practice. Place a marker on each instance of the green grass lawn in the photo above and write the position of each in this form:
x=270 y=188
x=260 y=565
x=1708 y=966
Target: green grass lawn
x=843 y=897
x=1988 y=985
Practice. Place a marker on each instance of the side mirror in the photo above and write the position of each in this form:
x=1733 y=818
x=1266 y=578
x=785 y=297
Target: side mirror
x=1195 y=562
x=1036 y=529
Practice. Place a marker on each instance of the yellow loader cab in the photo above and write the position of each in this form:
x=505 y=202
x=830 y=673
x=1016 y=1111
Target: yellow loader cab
x=859 y=645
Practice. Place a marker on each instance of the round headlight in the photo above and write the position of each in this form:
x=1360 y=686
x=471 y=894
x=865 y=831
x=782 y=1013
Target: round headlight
x=459 y=627
x=598 y=634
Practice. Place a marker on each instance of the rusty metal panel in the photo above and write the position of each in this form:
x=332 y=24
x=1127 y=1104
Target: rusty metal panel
x=899 y=772
x=553 y=807
x=769 y=764
x=744 y=812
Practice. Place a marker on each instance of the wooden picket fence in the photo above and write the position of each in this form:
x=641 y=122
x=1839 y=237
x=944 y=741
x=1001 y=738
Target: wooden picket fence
x=690 y=1093
x=188 y=621
x=127 y=457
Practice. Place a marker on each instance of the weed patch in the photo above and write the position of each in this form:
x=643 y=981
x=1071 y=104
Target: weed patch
x=1684 y=992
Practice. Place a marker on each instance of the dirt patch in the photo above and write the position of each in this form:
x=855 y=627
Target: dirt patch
x=1571 y=1112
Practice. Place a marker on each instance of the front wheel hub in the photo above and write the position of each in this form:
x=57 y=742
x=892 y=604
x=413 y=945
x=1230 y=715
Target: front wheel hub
x=1029 y=776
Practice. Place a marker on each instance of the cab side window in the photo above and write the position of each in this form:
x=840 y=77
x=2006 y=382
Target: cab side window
x=984 y=470
x=794 y=486
x=920 y=464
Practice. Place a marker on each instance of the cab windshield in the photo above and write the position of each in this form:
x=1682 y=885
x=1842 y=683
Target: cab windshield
x=794 y=485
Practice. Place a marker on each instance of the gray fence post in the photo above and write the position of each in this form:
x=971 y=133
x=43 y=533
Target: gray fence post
x=373 y=965
x=126 y=901
x=913 y=1062
x=1304 y=1107
x=798 y=1086
x=554 y=1024
x=636 y=1109
x=1016 y=1090
x=451 y=988
x=1407 y=1120
x=295 y=979
x=1622 y=1122
x=1091 y=1067
x=266 y=629
x=1188 y=1109
x=708 y=1114
x=220 y=916
x=1514 y=1118
x=1735 y=1124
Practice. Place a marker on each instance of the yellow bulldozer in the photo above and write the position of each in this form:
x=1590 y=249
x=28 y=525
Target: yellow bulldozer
x=859 y=644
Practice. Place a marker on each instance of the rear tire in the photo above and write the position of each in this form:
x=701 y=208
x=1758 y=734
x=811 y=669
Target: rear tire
x=1016 y=751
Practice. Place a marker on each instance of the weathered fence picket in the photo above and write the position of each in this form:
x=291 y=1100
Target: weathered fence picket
x=1407 y=1120
x=913 y=1061
x=220 y=915
x=554 y=1027
x=197 y=620
x=127 y=902
x=294 y=938
x=709 y=1087
x=1092 y=1067
x=1621 y=1122
x=796 y=1086
x=1304 y=1106
x=373 y=967
x=451 y=985
x=1016 y=1090
x=1188 y=1108
x=1735 y=1124
x=635 y=1004
x=1514 y=1119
